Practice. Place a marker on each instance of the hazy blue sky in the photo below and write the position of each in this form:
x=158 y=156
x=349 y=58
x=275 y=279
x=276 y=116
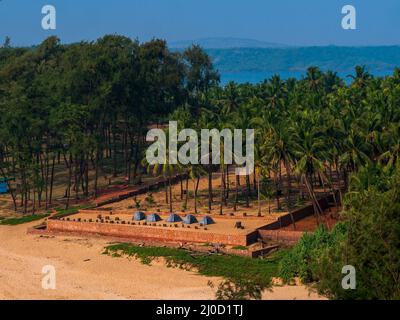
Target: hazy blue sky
x=293 y=22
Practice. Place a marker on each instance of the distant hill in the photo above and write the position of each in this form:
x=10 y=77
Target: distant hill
x=298 y=59
x=224 y=43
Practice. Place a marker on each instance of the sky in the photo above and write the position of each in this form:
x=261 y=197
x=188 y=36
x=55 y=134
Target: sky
x=290 y=22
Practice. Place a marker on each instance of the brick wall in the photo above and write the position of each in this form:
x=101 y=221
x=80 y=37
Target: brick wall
x=142 y=190
x=147 y=232
x=281 y=235
x=298 y=214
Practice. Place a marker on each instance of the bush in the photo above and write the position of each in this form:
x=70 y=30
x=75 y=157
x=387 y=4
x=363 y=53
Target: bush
x=150 y=199
x=21 y=220
x=368 y=240
x=302 y=260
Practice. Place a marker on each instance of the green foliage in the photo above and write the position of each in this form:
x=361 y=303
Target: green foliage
x=66 y=212
x=369 y=240
x=237 y=269
x=137 y=203
x=239 y=290
x=150 y=199
x=239 y=248
x=304 y=257
x=22 y=220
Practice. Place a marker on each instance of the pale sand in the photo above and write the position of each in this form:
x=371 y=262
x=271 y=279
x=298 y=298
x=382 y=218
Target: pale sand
x=82 y=272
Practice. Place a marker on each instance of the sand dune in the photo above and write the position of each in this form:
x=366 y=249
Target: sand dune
x=82 y=272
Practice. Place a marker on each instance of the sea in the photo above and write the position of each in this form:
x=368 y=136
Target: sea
x=255 y=77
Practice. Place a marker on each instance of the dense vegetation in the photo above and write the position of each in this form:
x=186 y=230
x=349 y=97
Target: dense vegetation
x=83 y=103
x=90 y=104
x=368 y=240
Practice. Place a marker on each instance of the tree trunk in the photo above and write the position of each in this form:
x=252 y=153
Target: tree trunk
x=222 y=190
x=195 y=194
x=170 y=193
x=258 y=194
x=210 y=190
x=187 y=192
x=52 y=181
x=247 y=191
x=236 y=192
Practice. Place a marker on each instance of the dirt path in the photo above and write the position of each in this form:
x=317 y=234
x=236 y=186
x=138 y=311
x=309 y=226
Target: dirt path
x=82 y=272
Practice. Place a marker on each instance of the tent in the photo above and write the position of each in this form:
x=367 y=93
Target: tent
x=4 y=184
x=154 y=217
x=3 y=187
x=139 y=216
x=174 y=218
x=189 y=219
x=207 y=220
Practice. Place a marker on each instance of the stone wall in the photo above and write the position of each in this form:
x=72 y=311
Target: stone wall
x=289 y=237
x=148 y=232
x=298 y=214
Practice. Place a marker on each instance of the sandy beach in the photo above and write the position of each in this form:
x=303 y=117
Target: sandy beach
x=82 y=272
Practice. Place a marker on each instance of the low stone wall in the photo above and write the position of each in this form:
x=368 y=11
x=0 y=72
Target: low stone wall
x=289 y=237
x=298 y=214
x=141 y=190
x=150 y=233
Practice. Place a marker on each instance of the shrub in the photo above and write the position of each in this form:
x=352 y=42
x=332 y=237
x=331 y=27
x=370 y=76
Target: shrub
x=137 y=203
x=304 y=257
x=150 y=199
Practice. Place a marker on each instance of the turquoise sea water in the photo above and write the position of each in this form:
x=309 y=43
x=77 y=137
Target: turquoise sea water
x=259 y=76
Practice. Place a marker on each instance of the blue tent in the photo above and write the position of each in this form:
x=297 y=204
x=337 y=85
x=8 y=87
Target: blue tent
x=207 y=220
x=139 y=216
x=154 y=217
x=3 y=187
x=174 y=218
x=189 y=219
x=4 y=184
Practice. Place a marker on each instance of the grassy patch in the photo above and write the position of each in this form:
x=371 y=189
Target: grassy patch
x=239 y=248
x=62 y=212
x=230 y=267
x=21 y=220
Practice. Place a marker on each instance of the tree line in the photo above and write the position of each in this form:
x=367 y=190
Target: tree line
x=85 y=103
x=89 y=104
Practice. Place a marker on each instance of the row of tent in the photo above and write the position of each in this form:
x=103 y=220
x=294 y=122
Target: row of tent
x=188 y=219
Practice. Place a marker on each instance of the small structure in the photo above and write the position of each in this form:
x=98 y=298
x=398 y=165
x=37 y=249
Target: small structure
x=4 y=184
x=173 y=218
x=154 y=217
x=207 y=220
x=190 y=219
x=238 y=225
x=3 y=187
x=139 y=216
